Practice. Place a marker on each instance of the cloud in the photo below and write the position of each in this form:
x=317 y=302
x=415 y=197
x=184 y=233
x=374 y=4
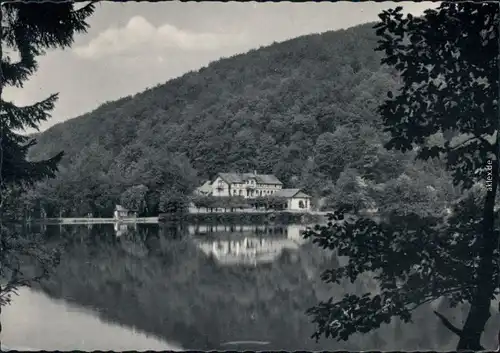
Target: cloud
x=139 y=33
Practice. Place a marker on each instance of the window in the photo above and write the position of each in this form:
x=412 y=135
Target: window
x=301 y=204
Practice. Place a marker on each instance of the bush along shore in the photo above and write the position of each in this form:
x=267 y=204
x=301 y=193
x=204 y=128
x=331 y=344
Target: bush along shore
x=243 y=218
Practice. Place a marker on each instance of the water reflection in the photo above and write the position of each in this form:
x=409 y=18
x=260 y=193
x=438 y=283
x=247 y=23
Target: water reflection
x=232 y=245
x=124 y=228
x=191 y=285
x=35 y=321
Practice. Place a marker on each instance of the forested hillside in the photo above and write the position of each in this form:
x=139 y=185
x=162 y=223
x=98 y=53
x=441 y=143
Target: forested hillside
x=304 y=109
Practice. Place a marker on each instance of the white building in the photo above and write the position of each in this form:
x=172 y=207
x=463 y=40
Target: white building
x=253 y=185
x=296 y=199
x=247 y=185
x=121 y=212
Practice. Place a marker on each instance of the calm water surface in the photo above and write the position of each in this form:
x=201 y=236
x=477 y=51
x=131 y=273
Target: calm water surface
x=35 y=321
x=224 y=287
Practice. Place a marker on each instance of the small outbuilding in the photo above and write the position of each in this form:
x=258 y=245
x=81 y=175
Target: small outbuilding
x=296 y=199
x=122 y=212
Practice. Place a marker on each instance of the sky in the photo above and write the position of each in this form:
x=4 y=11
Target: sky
x=132 y=46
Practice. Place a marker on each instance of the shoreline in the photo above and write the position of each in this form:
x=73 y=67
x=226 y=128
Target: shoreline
x=83 y=220
x=266 y=216
x=251 y=217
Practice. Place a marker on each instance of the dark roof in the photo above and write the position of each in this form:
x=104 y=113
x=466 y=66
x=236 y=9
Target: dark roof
x=242 y=177
x=302 y=194
x=289 y=193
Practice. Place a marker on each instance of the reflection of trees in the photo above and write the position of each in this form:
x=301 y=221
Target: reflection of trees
x=178 y=293
x=19 y=248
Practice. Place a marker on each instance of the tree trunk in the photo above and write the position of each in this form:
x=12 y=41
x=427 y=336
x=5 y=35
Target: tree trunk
x=479 y=312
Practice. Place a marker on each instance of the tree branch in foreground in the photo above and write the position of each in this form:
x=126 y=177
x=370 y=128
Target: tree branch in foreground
x=448 y=324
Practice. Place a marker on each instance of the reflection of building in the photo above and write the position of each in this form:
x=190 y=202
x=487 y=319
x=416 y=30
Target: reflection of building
x=250 y=249
x=289 y=231
x=231 y=228
x=124 y=228
x=129 y=242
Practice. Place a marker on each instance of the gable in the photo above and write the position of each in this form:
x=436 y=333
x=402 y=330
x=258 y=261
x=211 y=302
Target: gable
x=206 y=187
x=220 y=179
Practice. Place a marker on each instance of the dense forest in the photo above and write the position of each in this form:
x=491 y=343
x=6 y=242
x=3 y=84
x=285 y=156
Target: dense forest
x=303 y=109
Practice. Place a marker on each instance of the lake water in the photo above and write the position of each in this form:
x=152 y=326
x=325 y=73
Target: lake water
x=224 y=287
x=36 y=321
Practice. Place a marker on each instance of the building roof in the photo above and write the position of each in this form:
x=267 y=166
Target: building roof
x=242 y=177
x=303 y=195
x=289 y=193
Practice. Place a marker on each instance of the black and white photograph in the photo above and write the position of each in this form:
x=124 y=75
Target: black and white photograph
x=249 y=176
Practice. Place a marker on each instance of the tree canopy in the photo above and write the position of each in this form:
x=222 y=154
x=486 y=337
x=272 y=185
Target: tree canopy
x=303 y=109
x=27 y=31
x=446 y=108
